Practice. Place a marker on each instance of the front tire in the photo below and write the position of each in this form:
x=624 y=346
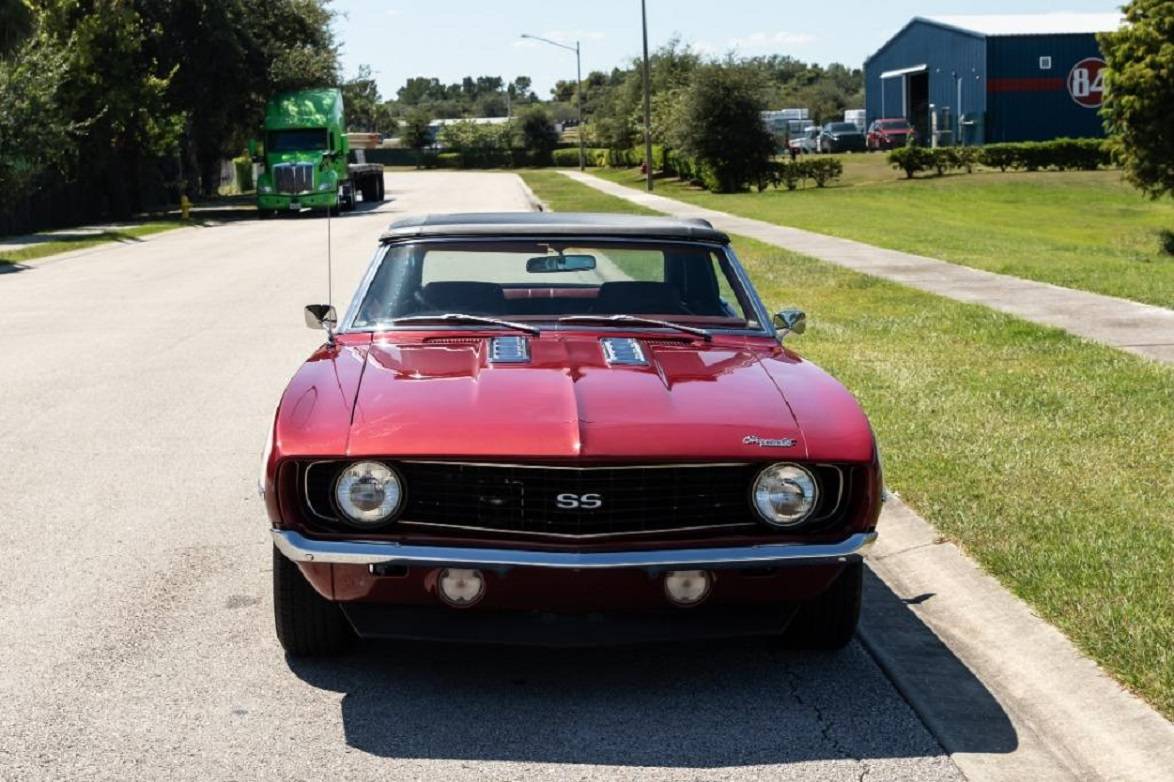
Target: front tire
x=308 y=625
x=829 y=621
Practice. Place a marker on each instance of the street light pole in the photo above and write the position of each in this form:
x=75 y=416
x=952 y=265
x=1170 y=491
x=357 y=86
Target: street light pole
x=647 y=104
x=578 y=92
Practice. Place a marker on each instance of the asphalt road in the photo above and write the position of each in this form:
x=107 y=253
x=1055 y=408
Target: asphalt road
x=136 y=640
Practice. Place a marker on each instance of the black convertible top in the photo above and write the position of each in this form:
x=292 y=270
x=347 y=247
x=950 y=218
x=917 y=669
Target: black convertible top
x=578 y=224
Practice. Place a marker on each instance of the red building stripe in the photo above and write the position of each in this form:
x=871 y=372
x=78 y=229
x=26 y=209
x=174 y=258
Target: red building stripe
x=1050 y=84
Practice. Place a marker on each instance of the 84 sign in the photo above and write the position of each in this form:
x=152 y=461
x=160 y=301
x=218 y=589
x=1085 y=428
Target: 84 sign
x=1086 y=82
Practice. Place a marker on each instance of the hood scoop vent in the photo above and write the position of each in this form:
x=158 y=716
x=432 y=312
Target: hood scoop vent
x=623 y=350
x=509 y=350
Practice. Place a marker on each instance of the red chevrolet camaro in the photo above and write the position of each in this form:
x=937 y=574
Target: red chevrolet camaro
x=564 y=429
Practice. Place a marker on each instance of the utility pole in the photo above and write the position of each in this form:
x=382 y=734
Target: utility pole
x=578 y=92
x=647 y=103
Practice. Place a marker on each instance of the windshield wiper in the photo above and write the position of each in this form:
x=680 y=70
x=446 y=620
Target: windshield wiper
x=634 y=319
x=463 y=318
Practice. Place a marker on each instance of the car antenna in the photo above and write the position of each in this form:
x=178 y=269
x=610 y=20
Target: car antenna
x=329 y=279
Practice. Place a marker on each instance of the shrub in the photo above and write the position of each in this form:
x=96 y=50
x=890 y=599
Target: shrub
x=447 y=160
x=565 y=158
x=791 y=173
x=720 y=126
x=1000 y=156
x=824 y=170
x=967 y=158
x=1062 y=154
x=911 y=159
x=1166 y=239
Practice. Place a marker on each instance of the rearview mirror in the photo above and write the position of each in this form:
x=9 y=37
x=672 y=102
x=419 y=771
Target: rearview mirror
x=255 y=153
x=791 y=321
x=545 y=264
x=321 y=316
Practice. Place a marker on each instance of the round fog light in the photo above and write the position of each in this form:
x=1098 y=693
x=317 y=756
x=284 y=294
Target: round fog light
x=687 y=587
x=461 y=588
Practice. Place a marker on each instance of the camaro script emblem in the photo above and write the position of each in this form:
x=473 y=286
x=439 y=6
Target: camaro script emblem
x=762 y=442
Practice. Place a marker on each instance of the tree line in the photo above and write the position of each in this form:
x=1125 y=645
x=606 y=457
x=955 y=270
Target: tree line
x=108 y=107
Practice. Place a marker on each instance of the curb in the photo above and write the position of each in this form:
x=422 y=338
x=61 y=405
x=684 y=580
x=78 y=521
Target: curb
x=536 y=203
x=1004 y=692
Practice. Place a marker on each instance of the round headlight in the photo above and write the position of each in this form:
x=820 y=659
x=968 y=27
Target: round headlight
x=368 y=493
x=785 y=494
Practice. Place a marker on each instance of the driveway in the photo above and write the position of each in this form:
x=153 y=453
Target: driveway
x=138 y=382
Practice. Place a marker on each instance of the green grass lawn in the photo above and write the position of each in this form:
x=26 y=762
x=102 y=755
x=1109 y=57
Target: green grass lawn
x=69 y=242
x=1045 y=457
x=1086 y=230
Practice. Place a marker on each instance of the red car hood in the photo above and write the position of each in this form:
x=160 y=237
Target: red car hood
x=691 y=401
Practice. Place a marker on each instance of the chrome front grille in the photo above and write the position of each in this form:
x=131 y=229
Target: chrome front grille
x=578 y=502
x=293 y=178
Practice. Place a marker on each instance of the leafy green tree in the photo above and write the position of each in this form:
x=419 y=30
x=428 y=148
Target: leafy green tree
x=16 y=24
x=1139 y=95
x=538 y=135
x=721 y=127
x=36 y=133
x=417 y=132
x=225 y=58
x=520 y=89
x=365 y=109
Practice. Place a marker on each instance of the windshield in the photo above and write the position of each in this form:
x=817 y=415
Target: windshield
x=306 y=139
x=842 y=127
x=542 y=281
x=893 y=124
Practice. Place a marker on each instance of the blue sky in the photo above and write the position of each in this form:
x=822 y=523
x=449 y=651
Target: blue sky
x=452 y=38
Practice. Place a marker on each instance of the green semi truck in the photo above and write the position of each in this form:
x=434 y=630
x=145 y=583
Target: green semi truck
x=308 y=158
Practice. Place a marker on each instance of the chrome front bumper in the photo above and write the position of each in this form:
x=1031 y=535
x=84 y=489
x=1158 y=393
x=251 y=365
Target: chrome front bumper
x=359 y=552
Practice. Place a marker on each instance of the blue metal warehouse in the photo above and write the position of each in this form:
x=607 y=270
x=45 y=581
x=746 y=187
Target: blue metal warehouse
x=977 y=79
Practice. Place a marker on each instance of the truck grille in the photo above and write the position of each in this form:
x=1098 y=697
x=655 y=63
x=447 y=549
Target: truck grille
x=573 y=502
x=293 y=177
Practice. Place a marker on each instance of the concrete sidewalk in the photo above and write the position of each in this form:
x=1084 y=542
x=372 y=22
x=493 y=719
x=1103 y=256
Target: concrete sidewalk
x=1138 y=328
x=1008 y=695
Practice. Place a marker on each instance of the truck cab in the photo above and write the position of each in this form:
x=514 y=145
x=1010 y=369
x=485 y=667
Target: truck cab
x=304 y=151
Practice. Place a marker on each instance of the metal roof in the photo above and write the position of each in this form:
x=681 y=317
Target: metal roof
x=1057 y=23
x=529 y=224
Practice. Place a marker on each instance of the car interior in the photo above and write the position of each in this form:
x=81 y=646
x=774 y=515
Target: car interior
x=689 y=287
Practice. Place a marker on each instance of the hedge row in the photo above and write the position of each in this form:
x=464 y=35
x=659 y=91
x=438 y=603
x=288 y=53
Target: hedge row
x=792 y=173
x=616 y=158
x=495 y=158
x=1064 y=154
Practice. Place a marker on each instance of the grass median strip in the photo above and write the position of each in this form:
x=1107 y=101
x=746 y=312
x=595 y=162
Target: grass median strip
x=1079 y=229
x=1044 y=456
x=46 y=244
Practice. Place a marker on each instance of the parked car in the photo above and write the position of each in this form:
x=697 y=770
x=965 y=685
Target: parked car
x=841 y=137
x=889 y=133
x=564 y=429
x=806 y=142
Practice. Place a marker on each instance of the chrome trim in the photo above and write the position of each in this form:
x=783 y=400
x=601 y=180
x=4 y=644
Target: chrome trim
x=299 y=548
x=573 y=536
x=574 y=467
x=623 y=350
x=510 y=349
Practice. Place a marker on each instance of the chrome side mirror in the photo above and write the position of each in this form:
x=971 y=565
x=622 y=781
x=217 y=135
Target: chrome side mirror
x=321 y=316
x=790 y=321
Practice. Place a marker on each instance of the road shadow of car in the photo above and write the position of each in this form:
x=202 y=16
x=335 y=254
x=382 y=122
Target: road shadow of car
x=11 y=267
x=738 y=702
